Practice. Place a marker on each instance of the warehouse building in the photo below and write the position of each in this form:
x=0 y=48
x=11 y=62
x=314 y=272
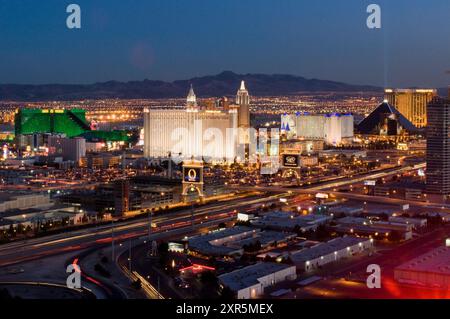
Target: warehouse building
x=374 y=228
x=33 y=218
x=282 y=221
x=214 y=243
x=309 y=259
x=416 y=223
x=17 y=201
x=250 y=282
x=431 y=270
x=233 y=241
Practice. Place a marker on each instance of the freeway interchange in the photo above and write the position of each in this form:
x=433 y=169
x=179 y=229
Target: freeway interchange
x=20 y=251
x=183 y=221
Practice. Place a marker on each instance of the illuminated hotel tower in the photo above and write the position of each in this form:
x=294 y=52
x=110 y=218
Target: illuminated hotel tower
x=412 y=103
x=243 y=100
x=191 y=131
x=438 y=147
x=191 y=100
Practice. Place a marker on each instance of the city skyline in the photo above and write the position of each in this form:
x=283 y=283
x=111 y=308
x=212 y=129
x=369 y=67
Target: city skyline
x=194 y=38
x=306 y=156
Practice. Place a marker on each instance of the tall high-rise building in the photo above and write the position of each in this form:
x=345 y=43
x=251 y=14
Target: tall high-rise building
x=53 y=121
x=121 y=197
x=438 y=147
x=71 y=149
x=243 y=100
x=191 y=132
x=412 y=103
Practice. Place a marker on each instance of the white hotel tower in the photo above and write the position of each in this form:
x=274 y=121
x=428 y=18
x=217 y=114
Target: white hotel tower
x=191 y=131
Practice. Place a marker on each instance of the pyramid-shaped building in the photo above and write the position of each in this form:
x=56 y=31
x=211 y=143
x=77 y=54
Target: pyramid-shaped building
x=386 y=120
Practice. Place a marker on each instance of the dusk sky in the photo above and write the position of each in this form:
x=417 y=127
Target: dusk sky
x=179 y=39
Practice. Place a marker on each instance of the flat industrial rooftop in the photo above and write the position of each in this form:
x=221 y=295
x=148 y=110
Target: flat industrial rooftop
x=435 y=261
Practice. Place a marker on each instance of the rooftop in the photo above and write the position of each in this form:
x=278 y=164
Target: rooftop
x=7 y=196
x=249 y=276
x=327 y=248
x=289 y=220
x=435 y=261
x=205 y=243
x=264 y=237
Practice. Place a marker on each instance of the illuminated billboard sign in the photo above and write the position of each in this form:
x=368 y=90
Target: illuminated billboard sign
x=291 y=160
x=192 y=174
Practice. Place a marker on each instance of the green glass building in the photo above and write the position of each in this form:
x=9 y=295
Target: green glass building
x=72 y=123
x=107 y=136
x=34 y=121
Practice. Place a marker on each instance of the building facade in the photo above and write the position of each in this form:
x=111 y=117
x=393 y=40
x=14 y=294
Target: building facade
x=387 y=121
x=412 y=103
x=438 y=147
x=243 y=100
x=250 y=282
x=71 y=149
x=317 y=256
x=121 y=197
x=11 y=201
x=53 y=121
x=191 y=132
x=333 y=129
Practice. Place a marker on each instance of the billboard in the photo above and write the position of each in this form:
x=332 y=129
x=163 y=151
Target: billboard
x=291 y=160
x=192 y=174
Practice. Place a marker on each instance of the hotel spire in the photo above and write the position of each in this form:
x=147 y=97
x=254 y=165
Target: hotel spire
x=191 y=100
x=243 y=100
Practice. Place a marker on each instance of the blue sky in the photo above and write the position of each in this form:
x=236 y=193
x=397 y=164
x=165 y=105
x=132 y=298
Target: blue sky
x=178 y=39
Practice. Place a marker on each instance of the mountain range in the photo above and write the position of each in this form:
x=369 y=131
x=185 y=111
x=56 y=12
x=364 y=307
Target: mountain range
x=223 y=84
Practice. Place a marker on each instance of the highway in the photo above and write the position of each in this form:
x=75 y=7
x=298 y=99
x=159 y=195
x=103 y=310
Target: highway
x=326 y=187
x=20 y=251
x=370 y=176
x=31 y=249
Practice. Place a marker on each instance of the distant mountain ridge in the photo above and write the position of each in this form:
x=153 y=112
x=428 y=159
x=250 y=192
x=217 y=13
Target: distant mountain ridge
x=223 y=84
